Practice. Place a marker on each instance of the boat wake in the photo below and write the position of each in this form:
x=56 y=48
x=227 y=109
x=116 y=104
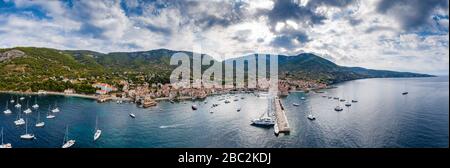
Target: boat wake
x=170 y=126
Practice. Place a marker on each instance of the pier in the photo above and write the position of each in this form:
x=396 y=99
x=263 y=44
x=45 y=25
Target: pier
x=281 y=119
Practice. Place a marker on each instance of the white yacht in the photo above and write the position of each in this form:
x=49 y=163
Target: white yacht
x=12 y=101
x=5 y=145
x=49 y=114
x=132 y=115
x=20 y=120
x=35 y=106
x=311 y=117
x=276 y=130
x=27 y=136
x=295 y=104
x=194 y=107
x=39 y=123
x=66 y=142
x=348 y=104
x=338 y=108
x=7 y=110
x=55 y=110
x=98 y=132
x=302 y=98
x=265 y=121
x=18 y=105
x=22 y=98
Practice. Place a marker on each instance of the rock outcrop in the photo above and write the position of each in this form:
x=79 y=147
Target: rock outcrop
x=11 y=54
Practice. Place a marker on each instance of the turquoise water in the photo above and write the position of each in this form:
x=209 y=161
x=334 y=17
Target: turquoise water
x=382 y=118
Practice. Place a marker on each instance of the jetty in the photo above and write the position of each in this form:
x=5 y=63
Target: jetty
x=281 y=119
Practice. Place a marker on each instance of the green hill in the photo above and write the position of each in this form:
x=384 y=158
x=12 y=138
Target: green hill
x=25 y=68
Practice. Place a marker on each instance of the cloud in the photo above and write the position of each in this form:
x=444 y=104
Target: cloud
x=412 y=14
x=413 y=35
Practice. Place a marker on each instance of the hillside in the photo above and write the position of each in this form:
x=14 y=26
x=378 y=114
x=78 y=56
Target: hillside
x=24 y=68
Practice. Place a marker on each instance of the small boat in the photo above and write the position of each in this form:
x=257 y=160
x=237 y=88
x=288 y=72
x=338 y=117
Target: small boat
x=211 y=111
x=354 y=101
x=28 y=110
x=404 y=93
x=35 y=106
x=132 y=115
x=50 y=115
x=12 y=101
x=22 y=98
x=238 y=110
x=336 y=98
x=295 y=104
x=194 y=107
x=5 y=145
x=20 y=120
x=27 y=136
x=55 y=110
x=276 y=130
x=342 y=100
x=302 y=98
x=39 y=123
x=242 y=97
x=265 y=121
x=329 y=97
x=348 y=104
x=338 y=108
x=311 y=117
x=236 y=99
x=7 y=111
x=98 y=132
x=18 y=105
x=227 y=101
x=66 y=142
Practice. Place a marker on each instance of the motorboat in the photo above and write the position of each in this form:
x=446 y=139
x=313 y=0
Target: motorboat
x=311 y=117
x=98 y=132
x=132 y=115
x=338 y=108
x=194 y=107
x=265 y=121
x=302 y=98
x=295 y=104
x=354 y=101
x=348 y=104
x=404 y=93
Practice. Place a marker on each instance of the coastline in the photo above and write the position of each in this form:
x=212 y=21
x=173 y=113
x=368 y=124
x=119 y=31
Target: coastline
x=52 y=93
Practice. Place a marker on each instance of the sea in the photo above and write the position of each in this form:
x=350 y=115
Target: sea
x=382 y=118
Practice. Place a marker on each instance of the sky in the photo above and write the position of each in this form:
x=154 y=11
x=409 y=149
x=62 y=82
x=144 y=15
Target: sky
x=401 y=35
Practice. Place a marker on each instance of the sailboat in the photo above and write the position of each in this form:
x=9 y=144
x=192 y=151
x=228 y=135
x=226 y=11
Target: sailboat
x=19 y=120
x=405 y=92
x=50 y=115
x=66 y=142
x=22 y=98
x=98 y=132
x=7 y=110
x=35 y=106
x=265 y=119
x=39 y=123
x=28 y=110
x=3 y=145
x=27 y=136
x=12 y=100
x=18 y=105
x=311 y=116
x=56 y=109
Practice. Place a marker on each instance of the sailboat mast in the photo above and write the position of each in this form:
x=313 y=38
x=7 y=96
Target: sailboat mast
x=26 y=126
x=2 y=136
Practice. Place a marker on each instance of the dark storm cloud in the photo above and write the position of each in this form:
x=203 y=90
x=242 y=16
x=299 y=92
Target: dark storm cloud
x=412 y=14
x=290 y=39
